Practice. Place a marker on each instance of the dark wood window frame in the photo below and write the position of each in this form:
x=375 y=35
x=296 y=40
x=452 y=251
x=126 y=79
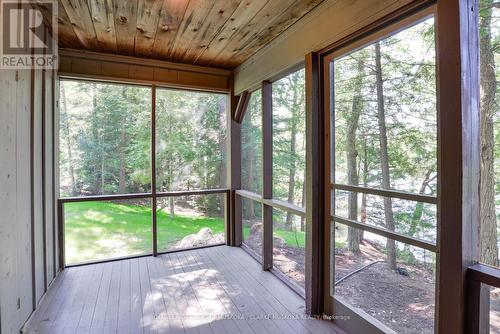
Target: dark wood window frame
x=364 y=321
x=153 y=194
x=459 y=301
x=266 y=199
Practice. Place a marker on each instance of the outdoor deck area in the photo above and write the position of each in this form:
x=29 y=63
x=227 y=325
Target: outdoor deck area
x=211 y=290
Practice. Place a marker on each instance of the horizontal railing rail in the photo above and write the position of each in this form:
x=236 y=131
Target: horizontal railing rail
x=276 y=203
x=97 y=198
x=192 y=192
x=484 y=274
x=386 y=193
x=117 y=197
x=480 y=278
x=387 y=233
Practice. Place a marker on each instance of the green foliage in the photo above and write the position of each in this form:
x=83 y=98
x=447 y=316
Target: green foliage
x=105 y=140
x=409 y=99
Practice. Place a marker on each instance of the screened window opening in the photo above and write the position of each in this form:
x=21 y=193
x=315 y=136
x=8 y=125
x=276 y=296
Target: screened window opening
x=489 y=70
x=190 y=140
x=106 y=137
x=251 y=145
x=102 y=149
x=385 y=179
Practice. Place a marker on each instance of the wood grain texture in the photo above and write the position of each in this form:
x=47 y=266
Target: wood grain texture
x=101 y=12
x=219 y=33
x=187 y=292
x=125 y=19
x=81 y=21
x=148 y=15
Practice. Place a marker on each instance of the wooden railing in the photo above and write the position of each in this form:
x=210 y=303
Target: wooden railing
x=480 y=278
x=116 y=197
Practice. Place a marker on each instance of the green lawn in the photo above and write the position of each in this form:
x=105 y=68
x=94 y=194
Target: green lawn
x=101 y=230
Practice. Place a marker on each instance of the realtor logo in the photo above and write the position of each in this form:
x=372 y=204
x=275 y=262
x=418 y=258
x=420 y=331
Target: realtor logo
x=29 y=34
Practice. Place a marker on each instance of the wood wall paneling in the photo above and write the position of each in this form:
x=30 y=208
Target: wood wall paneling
x=38 y=186
x=15 y=223
x=74 y=63
x=26 y=246
x=49 y=177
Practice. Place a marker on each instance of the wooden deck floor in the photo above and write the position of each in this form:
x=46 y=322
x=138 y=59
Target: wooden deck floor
x=212 y=290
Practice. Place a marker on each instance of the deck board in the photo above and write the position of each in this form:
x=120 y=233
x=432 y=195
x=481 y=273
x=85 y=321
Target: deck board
x=211 y=290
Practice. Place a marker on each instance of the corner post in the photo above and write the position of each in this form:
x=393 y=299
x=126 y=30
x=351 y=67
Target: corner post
x=316 y=224
x=233 y=215
x=458 y=158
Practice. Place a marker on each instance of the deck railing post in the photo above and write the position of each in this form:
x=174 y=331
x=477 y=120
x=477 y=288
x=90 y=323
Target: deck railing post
x=267 y=174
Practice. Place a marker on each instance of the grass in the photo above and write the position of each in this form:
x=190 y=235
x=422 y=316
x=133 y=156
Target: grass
x=101 y=230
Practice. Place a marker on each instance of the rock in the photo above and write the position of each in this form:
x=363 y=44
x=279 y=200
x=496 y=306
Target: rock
x=278 y=242
x=204 y=234
x=256 y=231
x=203 y=237
x=402 y=271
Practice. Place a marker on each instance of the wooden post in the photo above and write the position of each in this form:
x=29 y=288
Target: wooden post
x=267 y=174
x=233 y=165
x=458 y=158
x=60 y=222
x=153 y=171
x=315 y=191
x=478 y=307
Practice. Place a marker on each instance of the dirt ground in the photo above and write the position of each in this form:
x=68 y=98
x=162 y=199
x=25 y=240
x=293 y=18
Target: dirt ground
x=402 y=301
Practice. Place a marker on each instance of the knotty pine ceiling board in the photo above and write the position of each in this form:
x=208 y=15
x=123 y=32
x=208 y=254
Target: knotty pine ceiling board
x=217 y=33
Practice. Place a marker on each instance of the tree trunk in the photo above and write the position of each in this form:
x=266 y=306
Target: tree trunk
x=68 y=141
x=352 y=155
x=419 y=207
x=169 y=182
x=293 y=150
x=121 y=159
x=250 y=176
x=364 y=215
x=95 y=135
x=222 y=144
x=384 y=158
x=303 y=203
x=122 y=150
x=172 y=207
x=488 y=225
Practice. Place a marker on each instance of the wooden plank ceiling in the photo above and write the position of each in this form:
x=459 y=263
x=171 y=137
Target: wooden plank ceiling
x=217 y=33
